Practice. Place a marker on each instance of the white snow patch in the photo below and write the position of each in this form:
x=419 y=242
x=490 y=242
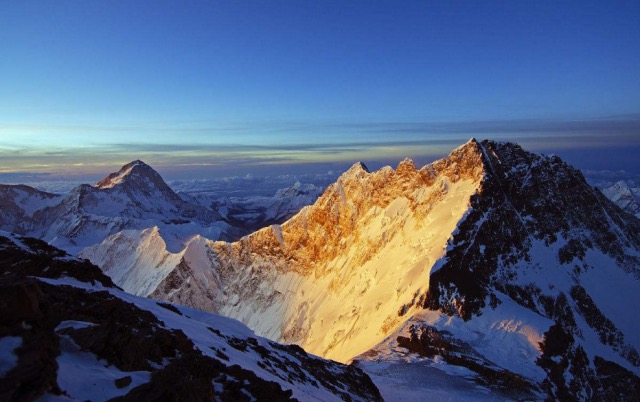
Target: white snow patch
x=73 y=325
x=15 y=240
x=85 y=377
x=8 y=357
x=401 y=381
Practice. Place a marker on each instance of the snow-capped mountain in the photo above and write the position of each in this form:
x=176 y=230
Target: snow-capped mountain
x=134 y=198
x=67 y=333
x=493 y=264
x=626 y=197
x=493 y=269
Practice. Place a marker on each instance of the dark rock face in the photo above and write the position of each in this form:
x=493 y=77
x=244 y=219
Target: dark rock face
x=134 y=339
x=537 y=198
x=37 y=258
x=35 y=374
x=188 y=375
x=528 y=199
x=601 y=381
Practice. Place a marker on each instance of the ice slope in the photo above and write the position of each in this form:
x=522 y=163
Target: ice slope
x=366 y=285
x=81 y=338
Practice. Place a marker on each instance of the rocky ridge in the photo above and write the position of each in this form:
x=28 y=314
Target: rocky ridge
x=69 y=332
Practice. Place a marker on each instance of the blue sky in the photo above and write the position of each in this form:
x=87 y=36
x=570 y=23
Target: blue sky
x=223 y=87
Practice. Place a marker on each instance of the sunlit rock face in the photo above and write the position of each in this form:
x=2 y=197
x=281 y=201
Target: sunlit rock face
x=334 y=278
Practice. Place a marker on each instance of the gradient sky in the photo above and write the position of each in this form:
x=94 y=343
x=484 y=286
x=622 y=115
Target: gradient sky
x=208 y=88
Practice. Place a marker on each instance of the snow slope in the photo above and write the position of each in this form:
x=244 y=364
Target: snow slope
x=84 y=339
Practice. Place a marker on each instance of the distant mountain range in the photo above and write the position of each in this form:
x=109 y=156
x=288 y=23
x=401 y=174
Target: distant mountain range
x=137 y=198
x=494 y=273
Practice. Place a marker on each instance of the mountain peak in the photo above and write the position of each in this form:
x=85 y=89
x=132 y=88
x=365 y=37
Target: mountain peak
x=621 y=185
x=406 y=168
x=359 y=166
x=126 y=173
x=358 y=170
x=406 y=163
